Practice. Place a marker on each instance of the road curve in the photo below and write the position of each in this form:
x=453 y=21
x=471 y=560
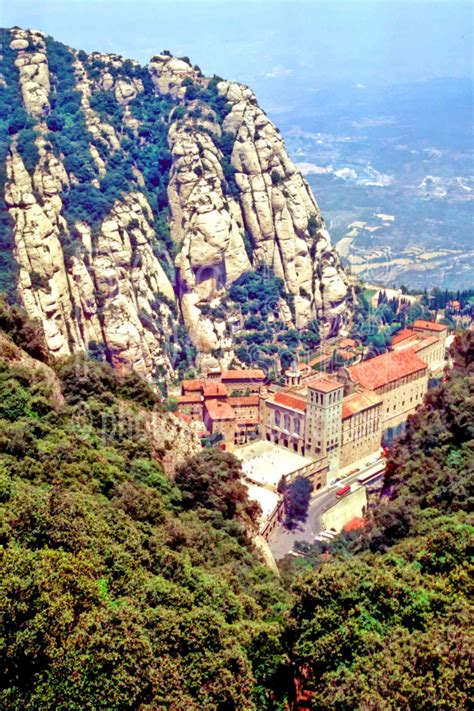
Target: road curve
x=281 y=541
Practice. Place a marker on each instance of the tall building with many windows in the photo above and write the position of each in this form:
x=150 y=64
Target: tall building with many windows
x=400 y=378
x=323 y=426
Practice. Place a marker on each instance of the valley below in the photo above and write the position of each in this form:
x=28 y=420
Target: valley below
x=392 y=169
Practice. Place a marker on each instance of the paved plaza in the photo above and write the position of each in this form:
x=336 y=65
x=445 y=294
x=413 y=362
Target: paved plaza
x=265 y=463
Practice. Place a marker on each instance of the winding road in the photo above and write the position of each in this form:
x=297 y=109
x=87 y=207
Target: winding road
x=281 y=541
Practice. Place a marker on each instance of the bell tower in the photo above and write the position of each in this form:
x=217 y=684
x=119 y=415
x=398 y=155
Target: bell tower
x=324 y=420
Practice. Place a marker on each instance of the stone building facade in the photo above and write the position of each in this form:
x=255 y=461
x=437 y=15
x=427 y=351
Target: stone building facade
x=323 y=429
x=239 y=382
x=342 y=418
x=216 y=404
x=361 y=426
x=309 y=420
x=219 y=419
x=335 y=420
x=400 y=378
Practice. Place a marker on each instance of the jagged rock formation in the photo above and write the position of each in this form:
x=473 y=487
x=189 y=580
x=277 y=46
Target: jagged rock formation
x=281 y=213
x=115 y=271
x=139 y=195
x=32 y=64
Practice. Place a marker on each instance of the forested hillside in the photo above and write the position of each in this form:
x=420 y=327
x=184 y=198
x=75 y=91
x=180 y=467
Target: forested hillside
x=123 y=587
x=118 y=588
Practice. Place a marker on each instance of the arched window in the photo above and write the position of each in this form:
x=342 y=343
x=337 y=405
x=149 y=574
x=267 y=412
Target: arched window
x=297 y=425
x=277 y=419
x=287 y=422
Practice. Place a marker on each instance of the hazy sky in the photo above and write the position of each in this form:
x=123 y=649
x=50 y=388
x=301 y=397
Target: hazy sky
x=257 y=41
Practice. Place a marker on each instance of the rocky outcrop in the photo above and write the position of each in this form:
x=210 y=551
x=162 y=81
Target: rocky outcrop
x=173 y=440
x=275 y=206
x=111 y=277
x=168 y=74
x=32 y=64
x=207 y=225
x=98 y=129
x=281 y=214
x=42 y=285
x=106 y=289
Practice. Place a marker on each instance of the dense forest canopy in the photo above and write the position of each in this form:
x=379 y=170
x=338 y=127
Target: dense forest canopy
x=123 y=589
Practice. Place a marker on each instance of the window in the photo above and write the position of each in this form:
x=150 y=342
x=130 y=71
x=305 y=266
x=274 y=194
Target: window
x=287 y=422
x=277 y=419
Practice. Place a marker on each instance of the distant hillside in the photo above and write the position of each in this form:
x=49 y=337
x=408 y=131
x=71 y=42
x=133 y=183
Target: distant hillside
x=405 y=151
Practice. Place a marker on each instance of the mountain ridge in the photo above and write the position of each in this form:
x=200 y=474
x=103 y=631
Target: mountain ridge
x=138 y=196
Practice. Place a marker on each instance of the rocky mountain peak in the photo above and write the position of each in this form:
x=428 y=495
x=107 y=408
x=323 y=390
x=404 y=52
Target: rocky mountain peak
x=138 y=196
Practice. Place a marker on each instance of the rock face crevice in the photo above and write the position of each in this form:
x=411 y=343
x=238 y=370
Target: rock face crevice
x=184 y=185
x=207 y=225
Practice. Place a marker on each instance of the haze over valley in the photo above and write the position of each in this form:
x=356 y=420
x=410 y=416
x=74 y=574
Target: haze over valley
x=393 y=171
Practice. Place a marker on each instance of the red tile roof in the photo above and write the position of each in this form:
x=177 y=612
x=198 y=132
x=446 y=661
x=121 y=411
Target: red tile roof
x=429 y=326
x=358 y=402
x=324 y=385
x=218 y=410
x=411 y=342
x=183 y=417
x=425 y=342
x=386 y=368
x=295 y=403
x=189 y=398
x=214 y=389
x=251 y=374
x=191 y=385
x=247 y=400
x=417 y=341
x=402 y=335
x=347 y=343
x=354 y=524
